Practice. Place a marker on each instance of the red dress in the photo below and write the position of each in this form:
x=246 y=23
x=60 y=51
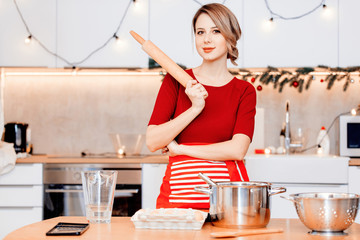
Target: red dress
x=229 y=110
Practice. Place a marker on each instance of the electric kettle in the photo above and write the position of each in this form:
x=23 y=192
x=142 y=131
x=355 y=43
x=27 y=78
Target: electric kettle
x=15 y=133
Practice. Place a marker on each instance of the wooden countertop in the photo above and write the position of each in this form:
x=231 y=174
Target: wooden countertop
x=134 y=159
x=354 y=162
x=93 y=160
x=122 y=228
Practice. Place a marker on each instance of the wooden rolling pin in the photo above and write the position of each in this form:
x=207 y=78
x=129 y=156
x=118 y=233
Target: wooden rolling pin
x=245 y=232
x=163 y=60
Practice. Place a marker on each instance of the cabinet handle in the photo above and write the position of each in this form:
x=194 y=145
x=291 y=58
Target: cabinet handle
x=64 y=190
x=22 y=207
x=124 y=191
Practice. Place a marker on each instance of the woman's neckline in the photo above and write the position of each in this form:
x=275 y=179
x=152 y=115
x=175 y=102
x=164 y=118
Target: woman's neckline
x=217 y=86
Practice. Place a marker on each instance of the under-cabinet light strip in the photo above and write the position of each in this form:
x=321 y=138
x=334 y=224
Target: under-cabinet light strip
x=294 y=73
x=75 y=73
x=81 y=73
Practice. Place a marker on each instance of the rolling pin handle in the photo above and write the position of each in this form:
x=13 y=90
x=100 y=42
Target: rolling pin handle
x=137 y=37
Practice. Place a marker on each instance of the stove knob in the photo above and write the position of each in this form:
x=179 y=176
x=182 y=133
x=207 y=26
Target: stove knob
x=77 y=176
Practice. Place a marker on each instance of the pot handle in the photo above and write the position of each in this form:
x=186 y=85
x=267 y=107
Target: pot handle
x=277 y=190
x=205 y=190
x=206 y=179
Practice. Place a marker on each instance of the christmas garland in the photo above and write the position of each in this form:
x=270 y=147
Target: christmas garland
x=300 y=78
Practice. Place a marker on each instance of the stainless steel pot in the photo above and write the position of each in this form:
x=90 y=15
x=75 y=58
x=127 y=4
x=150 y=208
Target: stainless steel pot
x=239 y=204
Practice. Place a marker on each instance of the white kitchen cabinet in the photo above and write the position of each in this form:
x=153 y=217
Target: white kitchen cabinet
x=21 y=197
x=264 y=40
x=152 y=175
x=354 y=186
x=298 y=174
x=67 y=28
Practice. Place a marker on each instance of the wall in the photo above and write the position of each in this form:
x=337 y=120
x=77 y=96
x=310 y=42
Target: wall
x=71 y=114
x=68 y=115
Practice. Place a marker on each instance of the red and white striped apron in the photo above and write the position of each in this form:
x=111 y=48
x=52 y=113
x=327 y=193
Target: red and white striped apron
x=181 y=177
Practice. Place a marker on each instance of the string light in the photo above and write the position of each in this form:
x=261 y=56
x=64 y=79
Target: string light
x=223 y=2
x=327 y=12
x=28 y=39
x=32 y=37
x=117 y=39
x=276 y=15
x=74 y=71
x=268 y=25
x=136 y=5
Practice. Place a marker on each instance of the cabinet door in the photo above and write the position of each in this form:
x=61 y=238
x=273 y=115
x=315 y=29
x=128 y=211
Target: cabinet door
x=22 y=196
x=14 y=218
x=152 y=175
x=354 y=186
x=282 y=208
x=23 y=174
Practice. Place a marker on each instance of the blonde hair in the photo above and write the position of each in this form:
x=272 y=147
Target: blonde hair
x=227 y=23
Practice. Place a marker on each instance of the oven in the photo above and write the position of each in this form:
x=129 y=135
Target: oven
x=63 y=195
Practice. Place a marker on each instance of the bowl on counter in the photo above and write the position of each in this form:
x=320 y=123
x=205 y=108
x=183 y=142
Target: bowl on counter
x=127 y=144
x=326 y=213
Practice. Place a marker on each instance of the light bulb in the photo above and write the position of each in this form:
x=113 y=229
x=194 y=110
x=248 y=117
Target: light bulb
x=327 y=12
x=267 y=150
x=353 y=111
x=74 y=71
x=268 y=25
x=139 y=7
x=118 y=40
x=320 y=151
x=28 y=39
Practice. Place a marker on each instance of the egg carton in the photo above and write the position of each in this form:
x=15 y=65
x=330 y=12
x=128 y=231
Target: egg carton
x=169 y=218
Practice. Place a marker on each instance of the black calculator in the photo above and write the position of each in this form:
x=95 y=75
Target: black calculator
x=68 y=229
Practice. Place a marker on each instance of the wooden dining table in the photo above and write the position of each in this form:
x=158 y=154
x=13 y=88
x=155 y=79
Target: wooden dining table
x=122 y=228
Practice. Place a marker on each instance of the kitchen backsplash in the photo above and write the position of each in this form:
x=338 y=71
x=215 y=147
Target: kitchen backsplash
x=71 y=114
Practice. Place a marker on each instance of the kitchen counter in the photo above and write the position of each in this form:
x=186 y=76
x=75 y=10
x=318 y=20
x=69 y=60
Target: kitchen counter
x=123 y=228
x=354 y=162
x=133 y=159
x=79 y=159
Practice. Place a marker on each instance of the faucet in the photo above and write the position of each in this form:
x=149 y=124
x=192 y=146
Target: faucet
x=288 y=144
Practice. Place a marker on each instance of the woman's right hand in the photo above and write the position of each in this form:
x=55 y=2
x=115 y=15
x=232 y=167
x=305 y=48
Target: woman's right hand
x=197 y=94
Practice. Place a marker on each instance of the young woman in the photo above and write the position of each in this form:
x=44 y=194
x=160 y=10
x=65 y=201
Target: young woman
x=206 y=127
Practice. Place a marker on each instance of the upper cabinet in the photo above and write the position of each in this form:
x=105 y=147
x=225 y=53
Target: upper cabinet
x=40 y=17
x=75 y=30
x=307 y=41
x=349 y=37
x=84 y=26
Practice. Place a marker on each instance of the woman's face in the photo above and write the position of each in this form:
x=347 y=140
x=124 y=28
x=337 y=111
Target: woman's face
x=210 y=43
